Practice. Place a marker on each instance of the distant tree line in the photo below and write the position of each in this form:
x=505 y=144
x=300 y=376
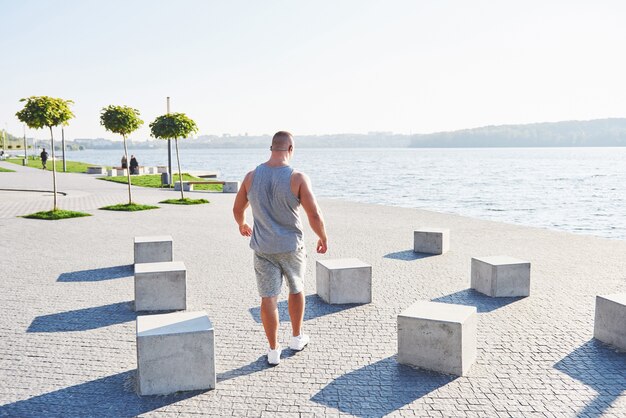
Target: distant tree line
x=592 y=133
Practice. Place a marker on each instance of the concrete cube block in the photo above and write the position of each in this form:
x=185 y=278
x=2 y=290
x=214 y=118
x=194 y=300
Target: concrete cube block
x=175 y=352
x=610 y=320
x=230 y=187
x=431 y=240
x=160 y=286
x=347 y=280
x=153 y=249
x=501 y=276
x=161 y=169
x=438 y=336
x=186 y=186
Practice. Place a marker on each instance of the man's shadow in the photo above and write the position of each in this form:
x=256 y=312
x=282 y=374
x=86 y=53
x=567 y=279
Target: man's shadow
x=315 y=308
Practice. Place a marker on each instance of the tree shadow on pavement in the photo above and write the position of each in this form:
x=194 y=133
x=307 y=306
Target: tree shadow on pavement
x=96 y=275
x=600 y=367
x=84 y=319
x=315 y=308
x=110 y=396
x=470 y=297
x=380 y=388
x=407 y=255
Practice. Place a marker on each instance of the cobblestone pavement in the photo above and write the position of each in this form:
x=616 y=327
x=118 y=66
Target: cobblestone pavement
x=67 y=345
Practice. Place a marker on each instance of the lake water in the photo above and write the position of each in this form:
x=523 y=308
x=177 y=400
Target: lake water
x=581 y=190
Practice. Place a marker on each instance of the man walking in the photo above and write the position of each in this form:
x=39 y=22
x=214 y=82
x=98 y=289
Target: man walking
x=275 y=192
x=44 y=158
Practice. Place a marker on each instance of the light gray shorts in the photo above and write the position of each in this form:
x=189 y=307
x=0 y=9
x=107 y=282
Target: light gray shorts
x=270 y=269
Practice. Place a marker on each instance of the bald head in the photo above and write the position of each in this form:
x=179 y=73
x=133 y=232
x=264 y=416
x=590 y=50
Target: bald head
x=282 y=141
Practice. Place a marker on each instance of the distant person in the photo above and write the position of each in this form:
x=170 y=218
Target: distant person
x=124 y=162
x=275 y=192
x=44 y=158
x=134 y=165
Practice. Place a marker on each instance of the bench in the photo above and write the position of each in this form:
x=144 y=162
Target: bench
x=96 y=170
x=228 y=186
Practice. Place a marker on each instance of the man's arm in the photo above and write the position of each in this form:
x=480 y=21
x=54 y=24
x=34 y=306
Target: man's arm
x=241 y=204
x=313 y=212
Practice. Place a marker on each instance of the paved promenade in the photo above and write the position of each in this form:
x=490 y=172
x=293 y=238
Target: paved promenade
x=67 y=329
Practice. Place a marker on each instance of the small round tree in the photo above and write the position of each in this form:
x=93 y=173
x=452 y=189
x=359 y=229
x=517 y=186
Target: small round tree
x=174 y=126
x=43 y=111
x=121 y=120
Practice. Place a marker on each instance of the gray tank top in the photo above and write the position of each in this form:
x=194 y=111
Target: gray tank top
x=277 y=226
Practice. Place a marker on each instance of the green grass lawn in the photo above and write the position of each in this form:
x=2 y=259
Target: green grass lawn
x=185 y=201
x=154 y=180
x=72 y=166
x=126 y=207
x=53 y=215
x=6 y=170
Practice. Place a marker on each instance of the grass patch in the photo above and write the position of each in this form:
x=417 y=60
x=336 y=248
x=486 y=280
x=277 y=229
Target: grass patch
x=53 y=215
x=154 y=180
x=72 y=166
x=6 y=170
x=129 y=207
x=185 y=201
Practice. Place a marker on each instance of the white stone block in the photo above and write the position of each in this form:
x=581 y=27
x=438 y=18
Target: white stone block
x=186 y=186
x=230 y=187
x=501 y=276
x=175 y=352
x=347 y=280
x=117 y=172
x=161 y=169
x=160 y=286
x=96 y=170
x=153 y=249
x=438 y=336
x=431 y=240
x=610 y=321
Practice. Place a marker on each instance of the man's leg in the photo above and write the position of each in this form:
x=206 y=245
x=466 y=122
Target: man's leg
x=296 y=312
x=270 y=319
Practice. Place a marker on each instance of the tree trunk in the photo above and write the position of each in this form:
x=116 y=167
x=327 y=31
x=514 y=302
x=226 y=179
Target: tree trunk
x=180 y=174
x=130 y=197
x=54 y=171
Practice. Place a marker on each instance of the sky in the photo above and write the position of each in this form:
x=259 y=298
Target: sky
x=316 y=67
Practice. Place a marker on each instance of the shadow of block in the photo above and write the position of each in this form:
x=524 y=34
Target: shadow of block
x=315 y=308
x=600 y=367
x=380 y=388
x=470 y=297
x=111 y=396
x=407 y=255
x=256 y=366
x=96 y=275
x=84 y=319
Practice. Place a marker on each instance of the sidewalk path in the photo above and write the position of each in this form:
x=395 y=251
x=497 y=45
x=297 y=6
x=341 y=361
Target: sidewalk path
x=67 y=329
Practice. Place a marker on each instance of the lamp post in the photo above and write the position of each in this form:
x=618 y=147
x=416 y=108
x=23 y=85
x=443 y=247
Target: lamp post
x=25 y=145
x=169 y=148
x=63 y=146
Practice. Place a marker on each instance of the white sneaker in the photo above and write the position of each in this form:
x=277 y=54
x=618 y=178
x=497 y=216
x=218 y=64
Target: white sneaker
x=273 y=356
x=299 y=342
